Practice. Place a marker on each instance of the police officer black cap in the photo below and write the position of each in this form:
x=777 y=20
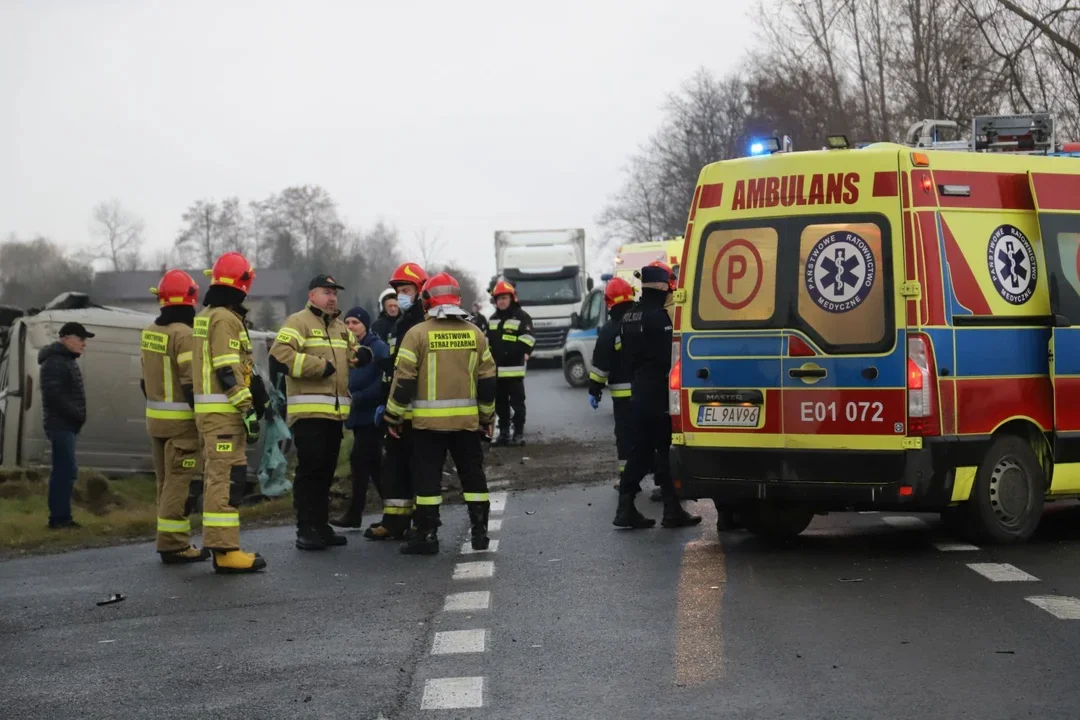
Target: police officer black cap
x=652 y=274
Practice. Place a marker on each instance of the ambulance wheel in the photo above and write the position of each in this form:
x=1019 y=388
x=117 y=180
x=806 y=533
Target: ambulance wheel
x=575 y=372
x=1006 y=502
x=776 y=523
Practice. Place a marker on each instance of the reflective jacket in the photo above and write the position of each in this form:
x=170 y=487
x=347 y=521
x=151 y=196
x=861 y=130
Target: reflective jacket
x=166 y=373
x=222 y=366
x=510 y=336
x=445 y=370
x=305 y=344
x=609 y=366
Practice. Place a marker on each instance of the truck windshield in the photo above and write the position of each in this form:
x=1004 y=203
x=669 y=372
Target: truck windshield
x=548 y=291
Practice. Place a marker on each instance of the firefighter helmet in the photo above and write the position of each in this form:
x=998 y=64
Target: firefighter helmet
x=176 y=288
x=441 y=289
x=408 y=274
x=388 y=293
x=232 y=270
x=667 y=268
x=503 y=288
x=618 y=291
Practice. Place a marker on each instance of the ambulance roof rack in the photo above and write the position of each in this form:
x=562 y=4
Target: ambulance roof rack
x=1031 y=133
x=929 y=134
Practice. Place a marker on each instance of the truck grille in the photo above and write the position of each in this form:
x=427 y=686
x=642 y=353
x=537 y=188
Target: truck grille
x=549 y=338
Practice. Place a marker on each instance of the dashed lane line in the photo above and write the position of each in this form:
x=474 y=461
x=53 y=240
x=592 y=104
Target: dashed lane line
x=955 y=546
x=498 y=502
x=467 y=601
x=467 y=548
x=494 y=525
x=454 y=693
x=497 y=484
x=904 y=521
x=1002 y=572
x=1061 y=607
x=454 y=642
x=474 y=570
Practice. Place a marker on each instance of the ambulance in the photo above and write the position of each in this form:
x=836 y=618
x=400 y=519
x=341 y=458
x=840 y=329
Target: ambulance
x=893 y=327
x=631 y=257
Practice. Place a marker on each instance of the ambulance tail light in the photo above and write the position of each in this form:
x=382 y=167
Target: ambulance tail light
x=922 y=388
x=675 y=386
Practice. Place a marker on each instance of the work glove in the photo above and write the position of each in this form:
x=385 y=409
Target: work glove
x=379 y=414
x=251 y=424
x=328 y=370
x=594 y=401
x=364 y=356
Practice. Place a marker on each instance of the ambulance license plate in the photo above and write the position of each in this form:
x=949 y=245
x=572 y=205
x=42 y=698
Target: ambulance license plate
x=729 y=415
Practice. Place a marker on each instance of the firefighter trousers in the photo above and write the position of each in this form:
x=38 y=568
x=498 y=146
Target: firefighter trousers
x=510 y=396
x=176 y=467
x=225 y=475
x=466 y=450
x=397 y=479
x=650 y=443
x=318 y=442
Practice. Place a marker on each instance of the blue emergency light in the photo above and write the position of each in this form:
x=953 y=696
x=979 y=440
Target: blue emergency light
x=605 y=277
x=770 y=145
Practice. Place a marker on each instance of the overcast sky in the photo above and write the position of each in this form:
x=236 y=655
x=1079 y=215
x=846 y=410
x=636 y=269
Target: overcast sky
x=456 y=117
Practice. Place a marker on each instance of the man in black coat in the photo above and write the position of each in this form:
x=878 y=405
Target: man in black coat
x=63 y=400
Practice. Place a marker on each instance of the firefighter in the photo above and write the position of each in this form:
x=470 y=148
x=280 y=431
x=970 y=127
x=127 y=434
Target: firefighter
x=406 y=280
x=646 y=337
x=511 y=340
x=609 y=367
x=170 y=415
x=225 y=409
x=388 y=314
x=453 y=400
x=318 y=349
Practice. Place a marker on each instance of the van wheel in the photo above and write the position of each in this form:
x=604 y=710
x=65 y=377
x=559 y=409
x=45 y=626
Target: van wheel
x=776 y=524
x=575 y=372
x=1006 y=502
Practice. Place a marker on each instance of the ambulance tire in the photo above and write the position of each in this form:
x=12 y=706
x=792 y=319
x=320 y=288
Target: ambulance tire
x=575 y=371
x=776 y=523
x=1006 y=503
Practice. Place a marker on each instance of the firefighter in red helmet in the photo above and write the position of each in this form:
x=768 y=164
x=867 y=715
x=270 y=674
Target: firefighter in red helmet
x=170 y=414
x=510 y=335
x=227 y=391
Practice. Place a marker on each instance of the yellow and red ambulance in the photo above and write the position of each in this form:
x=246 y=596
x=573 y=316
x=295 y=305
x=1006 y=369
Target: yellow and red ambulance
x=631 y=257
x=880 y=328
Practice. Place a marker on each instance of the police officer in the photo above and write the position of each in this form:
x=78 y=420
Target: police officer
x=170 y=414
x=609 y=368
x=317 y=349
x=446 y=372
x=225 y=408
x=646 y=338
x=406 y=280
x=510 y=337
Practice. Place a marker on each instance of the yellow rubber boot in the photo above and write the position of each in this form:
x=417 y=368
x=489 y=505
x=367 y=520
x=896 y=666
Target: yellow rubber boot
x=237 y=561
x=190 y=554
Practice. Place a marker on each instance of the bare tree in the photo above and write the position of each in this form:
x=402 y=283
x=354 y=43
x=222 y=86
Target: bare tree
x=119 y=235
x=429 y=247
x=200 y=239
x=34 y=271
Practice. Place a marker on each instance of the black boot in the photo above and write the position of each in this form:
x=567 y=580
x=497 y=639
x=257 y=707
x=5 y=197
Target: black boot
x=478 y=519
x=674 y=515
x=331 y=538
x=627 y=516
x=503 y=439
x=518 y=438
x=424 y=540
x=309 y=538
x=354 y=516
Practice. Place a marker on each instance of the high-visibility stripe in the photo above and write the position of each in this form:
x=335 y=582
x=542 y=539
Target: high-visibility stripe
x=510 y=338
x=298 y=365
x=487 y=409
x=511 y=324
x=168 y=410
x=620 y=386
x=511 y=371
x=221 y=519
x=240 y=396
x=397 y=502
x=432 y=376
x=339 y=344
x=621 y=393
x=394 y=408
x=319 y=400
x=495 y=324
x=177 y=526
x=527 y=340
x=213 y=403
x=397 y=511
x=408 y=355
x=476 y=497
x=309 y=408
x=622 y=465
x=166 y=374
x=391 y=342
x=598 y=377
x=618 y=345
x=461 y=402
x=429 y=500
x=316 y=343
x=221 y=361
x=205 y=364
x=445 y=412
x=620 y=390
x=472 y=374
x=184 y=357
x=286 y=335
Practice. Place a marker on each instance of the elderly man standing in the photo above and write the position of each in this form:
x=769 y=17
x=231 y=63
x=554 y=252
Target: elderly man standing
x=317 y=349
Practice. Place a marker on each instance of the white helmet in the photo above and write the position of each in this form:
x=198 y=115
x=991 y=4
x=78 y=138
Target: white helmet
x=387 y=293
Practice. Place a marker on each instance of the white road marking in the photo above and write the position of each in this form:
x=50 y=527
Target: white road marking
x=453 y=693
x=498 y=502
x=498 y=484
x=904 y=521
x=868 y=512
x=467 y=549
x=474 y=570
x=1002 y=572
x=452 y=642
x=955 y=546
x=494 y=525
x=1061 y=607
x=467 y=601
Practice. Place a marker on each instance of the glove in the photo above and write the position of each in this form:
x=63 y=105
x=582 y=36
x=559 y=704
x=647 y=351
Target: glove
x=379 y=413
x=364 y=356
x=259 y=397
x=594 y=401
x=251 y=424
x=328 y=370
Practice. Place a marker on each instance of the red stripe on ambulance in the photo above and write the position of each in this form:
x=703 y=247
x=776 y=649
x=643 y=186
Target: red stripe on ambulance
x=1004 y=191
x=885 y=184
x=964 y=284
x=946 y=389
x=844 y=412
x=1057 y=192
x=909 y=267
x=931 y=280
x=984 y=403
x=1068 y=414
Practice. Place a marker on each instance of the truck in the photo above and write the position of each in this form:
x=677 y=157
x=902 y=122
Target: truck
x=547 y=269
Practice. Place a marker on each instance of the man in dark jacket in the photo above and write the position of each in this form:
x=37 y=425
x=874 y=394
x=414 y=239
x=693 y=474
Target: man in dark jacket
x=365 y=417
x=389 y=312
x=63 y=400
x=510 y=337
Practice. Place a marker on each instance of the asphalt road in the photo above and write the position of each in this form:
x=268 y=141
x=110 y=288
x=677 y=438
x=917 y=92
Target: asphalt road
x=557 y=411
x=865 y=616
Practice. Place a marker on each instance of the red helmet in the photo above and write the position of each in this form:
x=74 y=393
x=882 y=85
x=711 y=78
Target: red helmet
x=672 y=282
x=441 y=289
x=503 y=288
x=176 y=288
x=232 y=270
x=408 y=274
x=618 y=291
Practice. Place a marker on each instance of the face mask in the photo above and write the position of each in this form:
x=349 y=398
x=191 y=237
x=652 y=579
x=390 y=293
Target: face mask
x=404 y=302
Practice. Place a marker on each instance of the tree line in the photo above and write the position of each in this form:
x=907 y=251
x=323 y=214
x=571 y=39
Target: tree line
x=299 y=229
x=867 y=69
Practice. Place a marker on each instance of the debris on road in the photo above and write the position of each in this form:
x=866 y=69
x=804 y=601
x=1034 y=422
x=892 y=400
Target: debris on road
x=116 y=597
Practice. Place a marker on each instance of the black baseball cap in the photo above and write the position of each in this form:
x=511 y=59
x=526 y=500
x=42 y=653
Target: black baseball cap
x=324 y=281
x=74 y=328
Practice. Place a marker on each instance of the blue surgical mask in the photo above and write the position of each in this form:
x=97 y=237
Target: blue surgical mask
x=404 y=301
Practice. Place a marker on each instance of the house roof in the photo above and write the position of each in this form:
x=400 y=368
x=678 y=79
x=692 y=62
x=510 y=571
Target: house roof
x=112 y=286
